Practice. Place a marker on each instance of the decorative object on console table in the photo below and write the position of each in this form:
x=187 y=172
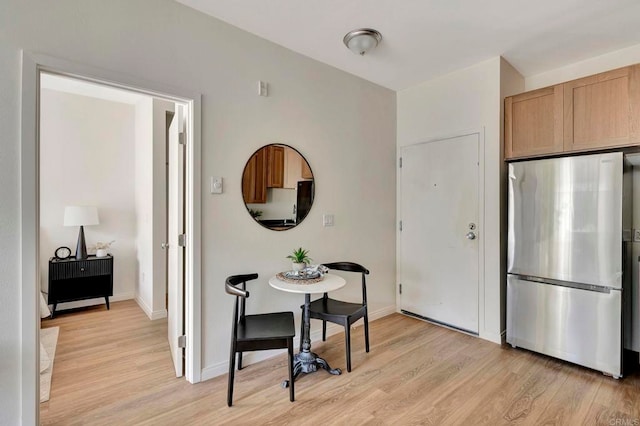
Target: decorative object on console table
x=63 y=253
x=73 y=279
x=101 y=248
x=81 y=216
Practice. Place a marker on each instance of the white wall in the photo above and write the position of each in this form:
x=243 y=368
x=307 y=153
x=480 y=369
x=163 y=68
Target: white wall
x=612 y=60
x=86 y=159
x=143 y=159
x=343 y=125
x=466 y=100
x=10 y=282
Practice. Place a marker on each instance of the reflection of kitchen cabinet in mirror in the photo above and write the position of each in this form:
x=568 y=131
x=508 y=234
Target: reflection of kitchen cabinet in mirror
x=278 y=187
x=306 y=171
x=275 y=166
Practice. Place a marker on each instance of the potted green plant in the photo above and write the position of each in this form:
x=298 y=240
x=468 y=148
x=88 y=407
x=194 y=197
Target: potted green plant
x=299 y=258
x=255 y=213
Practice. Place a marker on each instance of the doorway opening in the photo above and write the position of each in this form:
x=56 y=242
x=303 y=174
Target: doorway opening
x=188 y=105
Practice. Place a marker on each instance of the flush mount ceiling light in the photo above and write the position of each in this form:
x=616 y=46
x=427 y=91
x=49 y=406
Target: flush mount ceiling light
x=362 y=40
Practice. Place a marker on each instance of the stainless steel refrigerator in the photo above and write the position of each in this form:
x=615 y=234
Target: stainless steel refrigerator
x=569 y=227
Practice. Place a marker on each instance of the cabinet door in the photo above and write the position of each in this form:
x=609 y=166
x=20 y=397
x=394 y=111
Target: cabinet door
x=306 y=170
x=292 y=169
x=275 y=166
x=533 y=123
x=254 y=179
x=602 y=110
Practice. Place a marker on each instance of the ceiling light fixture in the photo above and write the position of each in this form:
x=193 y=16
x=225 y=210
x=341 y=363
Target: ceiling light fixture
x=362 y=40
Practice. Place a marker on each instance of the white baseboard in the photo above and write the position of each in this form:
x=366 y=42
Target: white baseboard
x=485 y=335
x=153 y=315
x=220 y=368
x=92 y=302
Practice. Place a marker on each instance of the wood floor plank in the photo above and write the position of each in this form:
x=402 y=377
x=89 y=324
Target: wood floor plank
x=114 y=368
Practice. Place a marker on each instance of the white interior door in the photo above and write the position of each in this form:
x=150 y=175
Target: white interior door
x=175 y=264
x=439 y=249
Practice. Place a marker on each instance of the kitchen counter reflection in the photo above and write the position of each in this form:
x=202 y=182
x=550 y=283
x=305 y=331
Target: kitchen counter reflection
x=278 y=224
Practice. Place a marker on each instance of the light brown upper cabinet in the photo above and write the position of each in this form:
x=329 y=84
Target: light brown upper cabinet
x=533 y=123
x=275 y=166
x=591 y=113
x=602 y=110
x=292 y=168
x=306 y=171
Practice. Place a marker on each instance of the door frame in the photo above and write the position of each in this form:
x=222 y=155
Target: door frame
x=481 y=218
x=32 y=65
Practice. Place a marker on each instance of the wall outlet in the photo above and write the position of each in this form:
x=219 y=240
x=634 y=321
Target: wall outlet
x=636 y=235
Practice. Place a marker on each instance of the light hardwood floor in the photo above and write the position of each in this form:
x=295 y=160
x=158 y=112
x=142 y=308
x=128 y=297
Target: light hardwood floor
x=114 y=368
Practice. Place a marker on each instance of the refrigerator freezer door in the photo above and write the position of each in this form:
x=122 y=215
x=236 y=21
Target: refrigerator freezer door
x=580 y=326
x=304 y=199
x=565 y=219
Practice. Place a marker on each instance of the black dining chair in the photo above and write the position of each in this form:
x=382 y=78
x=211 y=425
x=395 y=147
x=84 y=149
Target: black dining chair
x=256 y=332
x=343 y=313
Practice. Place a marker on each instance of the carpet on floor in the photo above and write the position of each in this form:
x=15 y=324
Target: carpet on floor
x=48 y=341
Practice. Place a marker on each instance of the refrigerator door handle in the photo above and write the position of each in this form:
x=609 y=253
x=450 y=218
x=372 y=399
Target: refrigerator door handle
x=570 y=284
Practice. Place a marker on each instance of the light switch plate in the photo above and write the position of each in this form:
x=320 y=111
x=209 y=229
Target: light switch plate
x=263 y=88
x=216 y=185
x=327 y=220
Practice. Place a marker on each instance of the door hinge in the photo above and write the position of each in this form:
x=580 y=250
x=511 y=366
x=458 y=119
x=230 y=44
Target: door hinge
x=400 y=162
x=400 y=224
x=182 y=341
x=182 y=140
x=182 y=240
x=400 y=288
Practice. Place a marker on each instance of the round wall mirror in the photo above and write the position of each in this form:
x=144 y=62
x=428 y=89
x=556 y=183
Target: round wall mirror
x=278 y=187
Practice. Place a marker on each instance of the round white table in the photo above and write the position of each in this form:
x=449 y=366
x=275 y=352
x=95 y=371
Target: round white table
x=307 y=361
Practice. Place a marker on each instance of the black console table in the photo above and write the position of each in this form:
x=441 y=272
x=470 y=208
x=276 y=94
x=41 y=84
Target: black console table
x=72 y=279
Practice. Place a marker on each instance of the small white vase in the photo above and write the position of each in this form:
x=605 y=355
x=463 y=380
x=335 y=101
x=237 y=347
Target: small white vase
x=298 y=266
x=101 y=252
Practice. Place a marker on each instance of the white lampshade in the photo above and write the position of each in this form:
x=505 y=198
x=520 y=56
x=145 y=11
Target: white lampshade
x=362 y=40
x=80 y=216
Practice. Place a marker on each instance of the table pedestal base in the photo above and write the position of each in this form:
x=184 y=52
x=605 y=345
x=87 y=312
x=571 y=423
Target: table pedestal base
x=309 y=362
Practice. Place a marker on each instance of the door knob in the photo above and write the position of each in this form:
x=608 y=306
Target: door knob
x=164 y=246
x=471 y=236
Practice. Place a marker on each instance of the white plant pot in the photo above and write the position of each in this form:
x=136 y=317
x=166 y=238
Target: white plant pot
x=298 y=266
x=101 y=252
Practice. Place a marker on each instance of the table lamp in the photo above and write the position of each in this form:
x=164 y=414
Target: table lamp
x=81 y=216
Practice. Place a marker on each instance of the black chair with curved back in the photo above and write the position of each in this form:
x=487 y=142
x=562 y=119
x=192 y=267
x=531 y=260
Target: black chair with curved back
x=256 y=332
x=343 y=313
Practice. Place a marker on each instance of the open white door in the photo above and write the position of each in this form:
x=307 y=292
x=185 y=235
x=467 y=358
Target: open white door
x=440 y=231
x=176 y=230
